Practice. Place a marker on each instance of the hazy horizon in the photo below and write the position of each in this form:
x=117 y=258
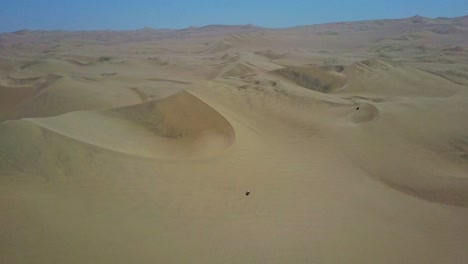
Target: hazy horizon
x=124 y=15
x=207 y=25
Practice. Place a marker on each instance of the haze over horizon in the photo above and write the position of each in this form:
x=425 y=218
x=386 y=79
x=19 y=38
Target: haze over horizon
x=129 y=15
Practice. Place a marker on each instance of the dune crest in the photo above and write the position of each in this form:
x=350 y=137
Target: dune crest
x=177 y=127
x=314 y=78
x=365 y=113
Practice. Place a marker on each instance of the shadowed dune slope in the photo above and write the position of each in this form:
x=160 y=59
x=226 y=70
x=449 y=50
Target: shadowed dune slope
x=314 y=78
x=177 y=127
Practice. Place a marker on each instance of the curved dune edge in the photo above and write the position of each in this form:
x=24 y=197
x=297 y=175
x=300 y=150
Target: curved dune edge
x=180 y=126
x=314 y=78
x=434 y=179
x=364 y=113
x=13 y=96
x=405 y=167
x=437 y=180
x=454 y=192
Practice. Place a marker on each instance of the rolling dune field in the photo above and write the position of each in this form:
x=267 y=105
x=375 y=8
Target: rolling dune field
x=139 y=146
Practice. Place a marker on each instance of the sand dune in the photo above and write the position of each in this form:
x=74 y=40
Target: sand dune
x=237 y=70
x=139 y=146
x=314 y=78
x=176 y=127
x=219 y=47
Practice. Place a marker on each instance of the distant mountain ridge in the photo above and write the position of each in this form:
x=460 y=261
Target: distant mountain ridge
x=462 y=20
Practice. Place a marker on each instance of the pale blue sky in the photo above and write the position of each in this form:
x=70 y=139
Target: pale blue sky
x=124 y=14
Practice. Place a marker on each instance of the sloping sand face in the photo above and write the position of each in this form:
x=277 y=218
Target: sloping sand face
x=314 y=78
x=177 y=127
x=140 y=147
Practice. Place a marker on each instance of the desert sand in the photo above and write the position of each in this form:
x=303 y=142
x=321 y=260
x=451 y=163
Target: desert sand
x=139 y=146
